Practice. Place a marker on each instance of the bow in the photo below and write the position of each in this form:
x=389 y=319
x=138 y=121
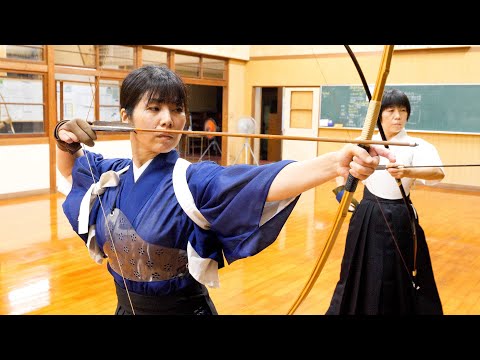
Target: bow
x=351 y=184
x=406 y=200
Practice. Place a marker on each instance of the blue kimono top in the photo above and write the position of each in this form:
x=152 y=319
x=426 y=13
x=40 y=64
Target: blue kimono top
x=232 y=200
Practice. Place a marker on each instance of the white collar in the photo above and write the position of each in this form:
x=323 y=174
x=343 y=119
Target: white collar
x=139 y=171
x=400 y=136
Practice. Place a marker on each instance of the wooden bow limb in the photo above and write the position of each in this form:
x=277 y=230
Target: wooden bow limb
x=128 y=128
x=351 y=184
x=406 y=200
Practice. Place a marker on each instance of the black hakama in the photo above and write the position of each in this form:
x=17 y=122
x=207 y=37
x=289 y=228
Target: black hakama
x=376 y=276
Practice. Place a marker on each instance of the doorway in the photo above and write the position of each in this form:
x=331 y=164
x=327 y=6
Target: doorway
x=205 y=105
x=271 y=124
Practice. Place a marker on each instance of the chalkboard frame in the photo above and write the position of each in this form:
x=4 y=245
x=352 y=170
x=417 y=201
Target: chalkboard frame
x=346 y=106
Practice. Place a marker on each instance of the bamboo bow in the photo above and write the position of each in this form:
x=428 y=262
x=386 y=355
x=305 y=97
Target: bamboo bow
x=351 y=184
x=406 y=200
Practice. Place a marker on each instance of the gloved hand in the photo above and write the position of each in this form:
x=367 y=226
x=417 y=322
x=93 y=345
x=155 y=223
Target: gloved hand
x=338 y=191
x=76 y=131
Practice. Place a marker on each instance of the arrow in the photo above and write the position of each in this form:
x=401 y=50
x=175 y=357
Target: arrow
x=384 y=167
x=127 y=128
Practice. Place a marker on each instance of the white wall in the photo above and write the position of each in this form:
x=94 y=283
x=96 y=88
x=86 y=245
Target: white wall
x=293 y=50
x=111 y=149
x=24 y=168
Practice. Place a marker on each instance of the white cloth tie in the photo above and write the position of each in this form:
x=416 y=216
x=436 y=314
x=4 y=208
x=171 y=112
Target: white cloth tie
x=108 y=179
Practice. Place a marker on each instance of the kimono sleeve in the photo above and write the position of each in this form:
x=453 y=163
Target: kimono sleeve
x=82 y=180
x=233 y=200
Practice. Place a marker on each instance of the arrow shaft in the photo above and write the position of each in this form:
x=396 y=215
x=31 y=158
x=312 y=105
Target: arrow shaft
x=121 y=128
x=384 y=167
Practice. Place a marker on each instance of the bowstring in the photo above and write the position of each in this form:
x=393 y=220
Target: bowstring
x=376 y=198
x=398 y=182
x=98 y=196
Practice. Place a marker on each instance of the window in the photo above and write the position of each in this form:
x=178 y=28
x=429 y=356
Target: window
x=75 y=97
x=116 y=57
x=200 y=67
x=186 y=65
x=154 y=57
x=75 y=55
x=22 y=52
x=213 y=68
x=109 y=100
x=80 y=71
x=22 y=109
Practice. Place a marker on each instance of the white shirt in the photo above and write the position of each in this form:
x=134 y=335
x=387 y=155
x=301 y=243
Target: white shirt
x=383 y=185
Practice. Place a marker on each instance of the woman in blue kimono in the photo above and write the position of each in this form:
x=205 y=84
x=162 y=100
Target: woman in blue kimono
x=165 y=225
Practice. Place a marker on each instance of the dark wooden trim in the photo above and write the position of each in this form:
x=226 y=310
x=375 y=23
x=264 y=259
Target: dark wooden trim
x=32 y=139
x=200 y=70
x=62 y=115
x=114 y=74
x=51 y=118
x=195 y=81
x=225 y=117
x=138 y=56
x=17 y=65
x=96 y=96
x=171 y=60
x=192 y=53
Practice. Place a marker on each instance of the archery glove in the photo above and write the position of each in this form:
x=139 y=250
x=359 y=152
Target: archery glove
x=81 y=129
x=338 y=191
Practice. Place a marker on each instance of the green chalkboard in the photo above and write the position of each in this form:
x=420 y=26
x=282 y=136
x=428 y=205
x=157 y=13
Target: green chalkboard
x=448 y=108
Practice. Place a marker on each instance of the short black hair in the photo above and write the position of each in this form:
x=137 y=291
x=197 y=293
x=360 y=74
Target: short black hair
x=395 y=97
x=159 y=82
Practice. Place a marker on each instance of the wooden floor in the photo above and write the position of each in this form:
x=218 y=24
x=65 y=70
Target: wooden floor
x=45 y=268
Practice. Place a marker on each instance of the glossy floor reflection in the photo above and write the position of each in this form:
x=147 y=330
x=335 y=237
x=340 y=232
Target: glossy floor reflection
x=45 y=267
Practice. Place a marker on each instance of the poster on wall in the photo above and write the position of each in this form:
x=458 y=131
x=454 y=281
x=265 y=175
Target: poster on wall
x=18 y=94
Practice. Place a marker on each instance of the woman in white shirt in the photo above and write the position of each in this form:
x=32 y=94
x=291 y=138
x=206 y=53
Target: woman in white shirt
x=384 y=269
